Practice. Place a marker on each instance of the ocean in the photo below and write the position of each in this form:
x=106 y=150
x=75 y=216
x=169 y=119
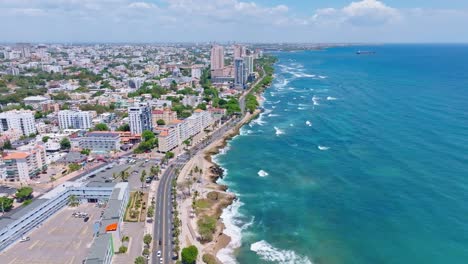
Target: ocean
x=356 y=159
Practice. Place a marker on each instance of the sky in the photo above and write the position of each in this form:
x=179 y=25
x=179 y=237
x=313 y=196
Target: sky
x=313 y=21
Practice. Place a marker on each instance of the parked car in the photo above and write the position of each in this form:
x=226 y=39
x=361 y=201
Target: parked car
x=24 y=239
x=86 y=219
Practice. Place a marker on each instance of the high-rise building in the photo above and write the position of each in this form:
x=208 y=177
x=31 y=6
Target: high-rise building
x=21 y=121
x=249 y=64
x=240 y=77
x=196 y=73
x=217 y=57
x=239 y=51
x=140 y=118
x=74 y=119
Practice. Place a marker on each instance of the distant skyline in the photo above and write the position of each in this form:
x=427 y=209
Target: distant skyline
x=390 y=21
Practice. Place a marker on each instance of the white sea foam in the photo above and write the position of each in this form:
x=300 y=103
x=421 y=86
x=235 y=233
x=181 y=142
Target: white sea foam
x=329 y=98
x=272 y=115
x=323 y=148
x=273 y=106
x=278 y=131
x=300 y=108
x=262 y=173
x=269 y=253
x=315 y=99
x=308 y=123
x=322 y=77
x=291 y=125
x=233 y=228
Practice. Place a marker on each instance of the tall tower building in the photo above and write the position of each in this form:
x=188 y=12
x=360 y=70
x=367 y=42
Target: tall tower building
x=217 y=57
x=249 y=64
x=20 y=121
x=239 y=73
x=239 y=51
x=140 y=118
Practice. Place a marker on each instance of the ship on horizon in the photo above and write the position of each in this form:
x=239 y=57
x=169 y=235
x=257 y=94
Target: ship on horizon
x=365 y=52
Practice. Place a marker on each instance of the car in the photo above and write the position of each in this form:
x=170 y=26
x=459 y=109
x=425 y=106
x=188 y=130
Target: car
x=24 y=239
x=86 y=219
x=161 y=260
x=158 y=254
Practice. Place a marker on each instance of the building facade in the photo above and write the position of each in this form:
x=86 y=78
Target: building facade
x=75 y=119
x=217 y=57
x=100 y=141
x=166 y=115
x=240 y=77
x=21 y=121
x=140 y=118
x=28 y=162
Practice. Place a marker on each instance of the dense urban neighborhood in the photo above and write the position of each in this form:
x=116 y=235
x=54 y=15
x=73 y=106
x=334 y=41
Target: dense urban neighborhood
x=99 y=134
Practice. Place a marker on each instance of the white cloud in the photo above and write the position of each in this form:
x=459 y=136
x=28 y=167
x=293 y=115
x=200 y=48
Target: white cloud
x=362 y=13
x=143 y=5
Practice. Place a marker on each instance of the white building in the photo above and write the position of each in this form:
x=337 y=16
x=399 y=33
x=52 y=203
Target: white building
x=75 y=119
x=196 y=73
x=175 y=134
x=22 y=121
x=139 y=117
x=249 y=64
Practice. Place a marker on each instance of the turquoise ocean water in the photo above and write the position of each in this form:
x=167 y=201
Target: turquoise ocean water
x=357 y=159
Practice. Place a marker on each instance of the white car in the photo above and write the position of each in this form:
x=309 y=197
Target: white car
x=24 y=239
x=158 y=254
x=160 y=260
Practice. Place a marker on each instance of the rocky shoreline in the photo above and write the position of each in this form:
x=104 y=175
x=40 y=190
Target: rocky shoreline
x=214 y=173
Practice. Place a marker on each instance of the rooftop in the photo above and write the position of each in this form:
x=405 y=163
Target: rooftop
x=16 y=155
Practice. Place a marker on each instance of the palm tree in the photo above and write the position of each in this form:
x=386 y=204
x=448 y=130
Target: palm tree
x=73 y=201
x=142 y=178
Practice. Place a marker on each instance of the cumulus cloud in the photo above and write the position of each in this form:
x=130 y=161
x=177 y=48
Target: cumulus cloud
x=242 y=20
x=362 y=13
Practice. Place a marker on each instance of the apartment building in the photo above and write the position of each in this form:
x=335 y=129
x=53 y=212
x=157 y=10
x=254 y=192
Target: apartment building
x=100 y=141
x=24 y=164
x=166 y=115
x=19 y=120
x=75 y=119
x=140 y=118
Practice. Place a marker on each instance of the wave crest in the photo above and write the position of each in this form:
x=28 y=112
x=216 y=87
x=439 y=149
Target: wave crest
x=269 y=253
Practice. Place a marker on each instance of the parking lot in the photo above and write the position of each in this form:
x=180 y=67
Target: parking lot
x=62 y=239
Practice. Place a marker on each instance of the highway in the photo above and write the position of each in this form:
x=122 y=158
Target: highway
x=162 y=233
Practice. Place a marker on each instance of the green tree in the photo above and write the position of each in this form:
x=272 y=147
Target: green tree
x=73 y=167
x=85 y=152
x=142 y=178
x=169 y=155
x=189 y=255
x=6 y=204
x=124 y=127
x=65 y=144
x=140 y=260
x=7 y=144
x=147 y=135
x=101 y=127
x=160 y=122
x=73 y=201
x=38 y=115
x=23 y=193
x=147 y=239
x=45 y=139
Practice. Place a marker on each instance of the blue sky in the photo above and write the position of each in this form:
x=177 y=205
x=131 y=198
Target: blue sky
x=234 y=20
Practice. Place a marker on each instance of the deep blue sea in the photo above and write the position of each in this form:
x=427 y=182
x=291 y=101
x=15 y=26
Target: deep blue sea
x=359 y=159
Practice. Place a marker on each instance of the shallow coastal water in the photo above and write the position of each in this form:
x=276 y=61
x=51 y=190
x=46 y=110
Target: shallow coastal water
x=356 y=159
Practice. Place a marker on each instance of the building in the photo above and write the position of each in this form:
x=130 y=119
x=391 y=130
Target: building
x=107 y=238
x=140 y=118
x=239 y=51
x=178 y=131
x=166 y=115
x=100 y=141
x=249 y=64
x=196 y=73
x=217 y=57
x=21 y=121
x=35 y=101
x=240 y=77
x=22 y=165
x=50 y=107
x=135 y=83
x=75 y=119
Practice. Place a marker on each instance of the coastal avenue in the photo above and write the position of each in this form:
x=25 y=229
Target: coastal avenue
x=163 y=232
